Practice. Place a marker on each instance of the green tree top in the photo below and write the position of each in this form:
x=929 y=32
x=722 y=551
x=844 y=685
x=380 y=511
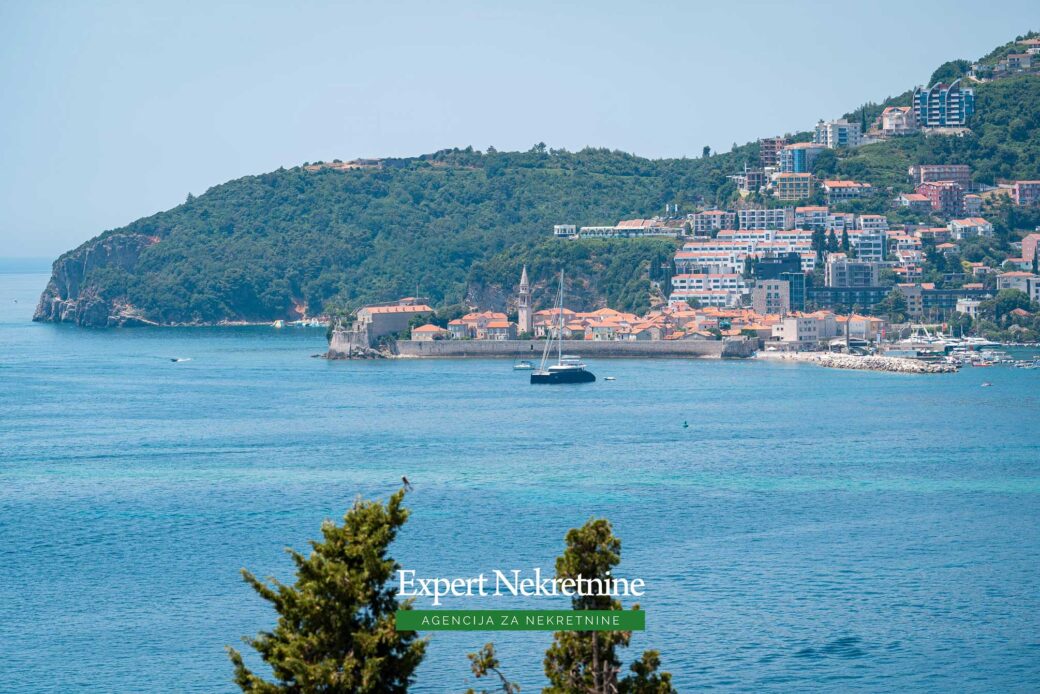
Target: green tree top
x=335 y=630
x=587 y=661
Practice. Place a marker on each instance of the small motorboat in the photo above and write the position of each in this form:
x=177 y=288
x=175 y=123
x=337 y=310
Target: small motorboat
x=523 y=365
x=986 y=384
x=609 y=378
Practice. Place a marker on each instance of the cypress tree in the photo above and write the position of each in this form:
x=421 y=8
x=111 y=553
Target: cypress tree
x=335 y=630
x=587 y=661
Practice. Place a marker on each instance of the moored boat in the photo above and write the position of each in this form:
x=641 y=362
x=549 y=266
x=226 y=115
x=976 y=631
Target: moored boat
x=568 y=368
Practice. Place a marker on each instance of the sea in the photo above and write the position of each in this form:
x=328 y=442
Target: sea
x=798 y=528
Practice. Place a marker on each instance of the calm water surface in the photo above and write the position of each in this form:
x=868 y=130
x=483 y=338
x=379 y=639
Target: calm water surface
x=812 y=529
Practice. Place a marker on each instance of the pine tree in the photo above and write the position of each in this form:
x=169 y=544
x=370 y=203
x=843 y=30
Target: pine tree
x=645 y=679
x=484 y=663
x=335 y=630
x=845 y=245
x=587 y=661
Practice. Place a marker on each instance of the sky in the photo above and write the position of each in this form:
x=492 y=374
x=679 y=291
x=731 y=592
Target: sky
x=111 y=111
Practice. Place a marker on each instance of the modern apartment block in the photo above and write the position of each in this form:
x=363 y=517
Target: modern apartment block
x=1026 y=192
x=870 y=246
x=769 y=150
x=710 y=222
x=843 y=272
x=838 y=133
x=944 y=105
x=946 y=197
x=793 y=186
x=771 y=297
x=799 y=157
x=928 y=173
x=775 y=218
x=843 y=191
x=1029 y=246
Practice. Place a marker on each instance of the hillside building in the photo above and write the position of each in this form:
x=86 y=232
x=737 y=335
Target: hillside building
x=838 y=133
x=944 y=105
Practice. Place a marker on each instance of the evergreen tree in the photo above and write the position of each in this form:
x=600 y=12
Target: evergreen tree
x=484 y=663
x=845 y=245
x=819 y=244
x=587 y=661
x=645 y=679
x=335 y=630
x=832 y=242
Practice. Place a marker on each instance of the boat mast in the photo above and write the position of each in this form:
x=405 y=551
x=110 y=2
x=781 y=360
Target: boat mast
x=559 y=352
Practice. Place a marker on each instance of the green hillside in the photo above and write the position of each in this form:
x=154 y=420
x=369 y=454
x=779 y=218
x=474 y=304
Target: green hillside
x=256 y=247
x=1004 y=144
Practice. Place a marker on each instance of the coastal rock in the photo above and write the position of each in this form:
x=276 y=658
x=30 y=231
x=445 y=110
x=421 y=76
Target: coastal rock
x=72 y=297
x=879 y=363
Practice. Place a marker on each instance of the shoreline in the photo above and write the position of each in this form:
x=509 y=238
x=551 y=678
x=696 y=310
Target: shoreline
x=589 y=349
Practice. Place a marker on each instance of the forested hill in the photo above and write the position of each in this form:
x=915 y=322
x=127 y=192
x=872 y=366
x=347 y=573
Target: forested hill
x=291 y=241
x=454 y=226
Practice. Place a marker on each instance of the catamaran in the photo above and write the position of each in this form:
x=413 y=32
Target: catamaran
x=568 y=368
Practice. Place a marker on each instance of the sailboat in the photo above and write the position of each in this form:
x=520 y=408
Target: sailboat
x=568 y=368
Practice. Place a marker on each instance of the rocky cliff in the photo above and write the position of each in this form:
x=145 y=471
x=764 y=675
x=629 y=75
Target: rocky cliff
x=72 y=295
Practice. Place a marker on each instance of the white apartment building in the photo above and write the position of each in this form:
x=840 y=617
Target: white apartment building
x=732 y=281
x=869 y=245
x=838 y=133
x=811 y=217
x=776 y=218
x=971 y=227
x=710 y=222
x=711 y=262
x=720 y=298
x=872 y=222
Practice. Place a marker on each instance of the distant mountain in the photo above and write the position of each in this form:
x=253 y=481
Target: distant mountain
x=454 y=226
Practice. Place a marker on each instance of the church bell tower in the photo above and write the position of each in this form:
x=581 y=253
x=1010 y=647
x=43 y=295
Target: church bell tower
x=523 y=305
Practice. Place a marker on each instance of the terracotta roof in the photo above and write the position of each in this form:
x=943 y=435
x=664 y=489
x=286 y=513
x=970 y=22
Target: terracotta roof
x=419 y=308
x=845 y=184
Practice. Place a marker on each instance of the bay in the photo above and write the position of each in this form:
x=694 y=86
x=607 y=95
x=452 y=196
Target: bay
x=811 y=529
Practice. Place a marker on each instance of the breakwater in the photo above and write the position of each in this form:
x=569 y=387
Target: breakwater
x=863 y=363
x=532 y=349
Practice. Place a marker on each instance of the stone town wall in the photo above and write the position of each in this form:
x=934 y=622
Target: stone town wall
x=532 y=349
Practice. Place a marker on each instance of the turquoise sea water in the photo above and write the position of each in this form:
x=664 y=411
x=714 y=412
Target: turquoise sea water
x=812 y=529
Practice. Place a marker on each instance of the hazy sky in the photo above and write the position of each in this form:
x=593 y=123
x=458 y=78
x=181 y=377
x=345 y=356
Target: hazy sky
x=110 y=111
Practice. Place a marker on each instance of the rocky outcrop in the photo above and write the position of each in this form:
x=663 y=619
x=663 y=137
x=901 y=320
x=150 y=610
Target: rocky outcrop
x=352 y=343
x=875 y=363
x=70 y=297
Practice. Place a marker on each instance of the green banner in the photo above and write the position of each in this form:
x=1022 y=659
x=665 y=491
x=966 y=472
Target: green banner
x=521 y=620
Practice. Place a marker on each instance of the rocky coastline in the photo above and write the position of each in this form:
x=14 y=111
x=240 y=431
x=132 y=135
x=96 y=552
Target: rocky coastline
x=861 y=363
